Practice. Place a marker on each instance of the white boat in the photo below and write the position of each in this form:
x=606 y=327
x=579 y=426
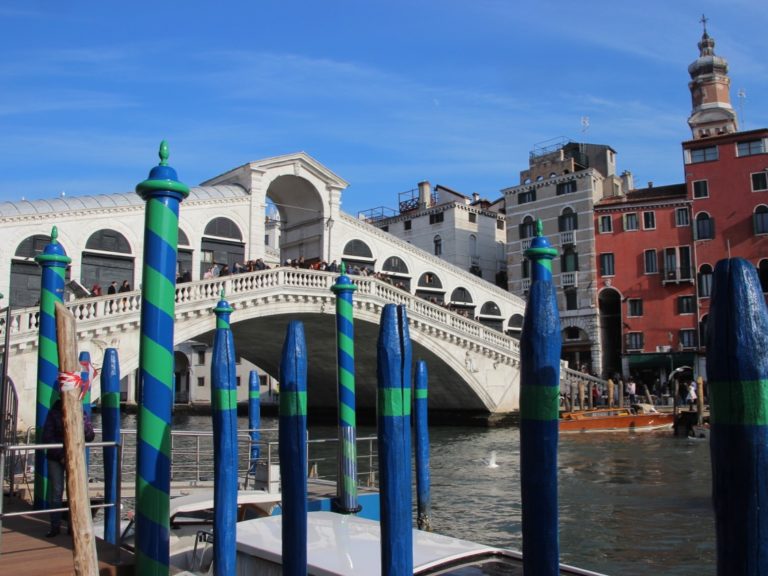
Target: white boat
x=346 y=545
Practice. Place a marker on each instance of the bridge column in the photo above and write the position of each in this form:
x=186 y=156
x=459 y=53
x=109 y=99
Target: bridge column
x=162 y=193
x=54 y=262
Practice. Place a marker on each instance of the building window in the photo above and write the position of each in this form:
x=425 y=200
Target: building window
x=527 y=196
x=760 y=220
x=649 y=220
x=634 y=340
x=605 y=224
x=635 y=307
x=572 y=333
x=688 y=338
x=759 y=181
x=436 y=218
x=705 y=281
x=677 y=263
x=762 y=273
x=685 y=305
x=570 y=299
x=704 y=154
x=438 y=242
x=201 y=358
x=499 y=224
x=750 y=148
x=705 y=227
x=472 y=217
x=385 y=228
x=406 y=225
x=569 y=260
x=525 y=268
x=630 y=222
x=701 y=189
x=566 y=187
x=567 y=221
x=651 y=262
x=606 y=265
x=527 y=228
x=682 y=217
x=237 y=381
x=200 y=382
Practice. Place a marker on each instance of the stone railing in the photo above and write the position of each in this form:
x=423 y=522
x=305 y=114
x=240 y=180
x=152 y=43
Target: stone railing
x=125 y=308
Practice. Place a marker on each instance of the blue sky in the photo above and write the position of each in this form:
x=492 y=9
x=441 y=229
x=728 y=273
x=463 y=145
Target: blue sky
x=384 y=93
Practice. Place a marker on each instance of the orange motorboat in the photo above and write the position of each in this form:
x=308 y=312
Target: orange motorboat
x=638 y=417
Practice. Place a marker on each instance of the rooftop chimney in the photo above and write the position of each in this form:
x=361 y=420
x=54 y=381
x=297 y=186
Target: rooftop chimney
x=425 y=194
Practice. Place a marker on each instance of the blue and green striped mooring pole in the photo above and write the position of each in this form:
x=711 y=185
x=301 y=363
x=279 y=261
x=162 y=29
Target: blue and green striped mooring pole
x=54 y=262
x=293 y=449
x=163 y=193
x=737 y=368
x=394 y=432
x=110 y=424
x=254 y=417
x=539 y=414
x=224 y=403
x=423 y=498
x=87 y=375
x=346 y=486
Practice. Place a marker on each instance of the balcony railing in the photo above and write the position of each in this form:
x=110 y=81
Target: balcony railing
x=525 y=284
x=525 y=243
x=677 y=275
x=569 y=279
x=567 y=237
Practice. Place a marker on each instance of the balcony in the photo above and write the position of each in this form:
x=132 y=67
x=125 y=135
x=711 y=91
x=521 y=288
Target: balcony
x=567 y=237
x=569 y=279
x=525 y=284
x=525 y=243
x=677 y=275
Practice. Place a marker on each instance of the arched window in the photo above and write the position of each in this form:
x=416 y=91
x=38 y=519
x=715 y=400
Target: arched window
x=184 y=257
x=527 y=228
x=438 y=242
x=490 y=316
x=762 y=272
x=107 y=258
x=705 y=281
x=461 y=296
x=357 y=249
x=397 y=271
x=222 y=244
x=703 y=329
x=705 y=227
x=515 y=325
x=430 y=288
x=760 y=219
x=568 y=220
x=25 y=273
x=473 y=246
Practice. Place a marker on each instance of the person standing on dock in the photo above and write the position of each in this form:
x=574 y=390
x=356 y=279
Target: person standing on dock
x=632 y=391
x=53 y=433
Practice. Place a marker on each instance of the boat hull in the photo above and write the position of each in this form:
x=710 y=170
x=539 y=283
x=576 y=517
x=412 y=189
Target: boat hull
x=594 y=422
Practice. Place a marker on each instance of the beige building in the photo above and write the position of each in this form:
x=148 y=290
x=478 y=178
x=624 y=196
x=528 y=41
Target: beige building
x=560 y=187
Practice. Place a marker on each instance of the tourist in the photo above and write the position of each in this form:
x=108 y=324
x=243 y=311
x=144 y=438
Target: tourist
x=691 y=397
x=125 y=287
x=53 y=433
x=112 y=288
x=224 y=270
x=632 y=391
x=96 y=290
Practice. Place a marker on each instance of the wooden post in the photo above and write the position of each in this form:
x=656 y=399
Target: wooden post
x=86 y=562
x=590 y=394
x=647 y=394
x=610 y=393
x=621 y=393
x=700 y=400
x=581 y=395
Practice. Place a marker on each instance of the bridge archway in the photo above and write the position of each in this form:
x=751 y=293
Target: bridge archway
x=303 y=219
x=108 y=257
x=430 y=288
x=397 y=270
x=358 y=253
x=25 y=272
x=222 y=243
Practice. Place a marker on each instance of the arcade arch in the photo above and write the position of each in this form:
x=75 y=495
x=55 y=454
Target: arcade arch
x=222 y=243
x=107 y=258
x=461 y=302
x=396 y=269
x=25 y=272
x=430 y=288
x=490 y=315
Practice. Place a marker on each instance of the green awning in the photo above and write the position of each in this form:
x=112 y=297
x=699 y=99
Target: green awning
x=667 y=360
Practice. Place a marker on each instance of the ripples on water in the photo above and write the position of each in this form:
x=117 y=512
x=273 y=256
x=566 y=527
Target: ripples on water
x=630 y=504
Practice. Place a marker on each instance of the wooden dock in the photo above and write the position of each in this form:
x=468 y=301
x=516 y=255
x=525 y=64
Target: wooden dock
x=25 y=549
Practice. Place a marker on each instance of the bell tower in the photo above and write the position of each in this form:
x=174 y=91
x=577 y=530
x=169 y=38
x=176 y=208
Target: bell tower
x=712 y=113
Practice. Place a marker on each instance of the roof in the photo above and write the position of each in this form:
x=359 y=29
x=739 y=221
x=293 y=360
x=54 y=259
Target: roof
x=645 y=195
x=106 y=201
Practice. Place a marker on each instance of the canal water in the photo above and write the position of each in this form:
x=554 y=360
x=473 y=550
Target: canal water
x=630 y=504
